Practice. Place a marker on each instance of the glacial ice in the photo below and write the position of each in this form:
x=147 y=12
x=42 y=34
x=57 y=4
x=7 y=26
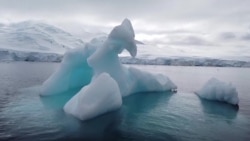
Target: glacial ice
x=74 y=72
x=215 y=89
x=96 y=69
x=130 y=80
x=100 y=96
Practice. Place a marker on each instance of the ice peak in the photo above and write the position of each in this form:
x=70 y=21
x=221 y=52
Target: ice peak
x=124 y=34
x=126 y=23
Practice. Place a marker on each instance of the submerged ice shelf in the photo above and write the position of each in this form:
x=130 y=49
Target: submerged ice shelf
x=97 y=63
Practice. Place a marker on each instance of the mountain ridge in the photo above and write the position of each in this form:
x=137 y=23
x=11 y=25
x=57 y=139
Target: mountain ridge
x=37 y=36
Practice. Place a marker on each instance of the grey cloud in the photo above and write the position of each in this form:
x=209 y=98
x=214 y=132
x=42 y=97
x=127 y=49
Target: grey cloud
x=246 y=37
x=113 y=10
x=235 y=36
x=168 y=32
x=158 y=11
x=227 y=35
x=191 y=40
x=181 y=40
x=180 y=22
x=166 y=15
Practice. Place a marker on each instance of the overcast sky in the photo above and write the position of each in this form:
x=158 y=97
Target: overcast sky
x=220 y=27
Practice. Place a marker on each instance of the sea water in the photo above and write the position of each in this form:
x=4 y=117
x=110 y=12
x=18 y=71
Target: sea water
x=24 y=115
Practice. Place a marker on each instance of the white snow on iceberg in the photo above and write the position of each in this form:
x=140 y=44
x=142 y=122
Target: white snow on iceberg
x=219 y=91
x=100 y=96
x=92 y=62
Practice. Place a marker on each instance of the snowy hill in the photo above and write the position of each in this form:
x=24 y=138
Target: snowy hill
x=36 y=37
x=36 y=41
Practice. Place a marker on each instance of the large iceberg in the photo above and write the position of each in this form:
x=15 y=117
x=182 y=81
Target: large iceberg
x=215 y=89
x=97 y=65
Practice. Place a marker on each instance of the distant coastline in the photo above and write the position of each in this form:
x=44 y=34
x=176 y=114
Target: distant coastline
x=33 y=56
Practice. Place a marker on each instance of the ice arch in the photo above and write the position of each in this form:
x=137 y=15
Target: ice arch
x=91 y=66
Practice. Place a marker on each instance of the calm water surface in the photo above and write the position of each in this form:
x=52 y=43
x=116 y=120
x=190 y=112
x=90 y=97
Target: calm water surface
x=24 y=115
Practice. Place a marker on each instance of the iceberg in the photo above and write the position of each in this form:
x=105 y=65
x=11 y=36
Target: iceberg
x=96 y=68
x=215 y=89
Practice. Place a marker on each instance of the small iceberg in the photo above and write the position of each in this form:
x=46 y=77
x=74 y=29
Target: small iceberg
x=215 y=89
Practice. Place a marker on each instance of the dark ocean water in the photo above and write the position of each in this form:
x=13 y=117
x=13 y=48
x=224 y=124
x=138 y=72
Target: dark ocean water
x=24 y=115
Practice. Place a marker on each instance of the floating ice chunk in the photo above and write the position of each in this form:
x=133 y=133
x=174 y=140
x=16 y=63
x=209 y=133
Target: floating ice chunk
x=220 y=91
x=100 y=96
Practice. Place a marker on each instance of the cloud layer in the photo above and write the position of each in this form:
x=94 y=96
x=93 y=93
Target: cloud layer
x=194 y=24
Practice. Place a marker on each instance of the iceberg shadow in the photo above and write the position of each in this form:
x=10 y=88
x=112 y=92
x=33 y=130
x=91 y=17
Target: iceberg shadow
x=104 y=127
x=59 y=100
x=140 y=109
x=144 y=102
x=113 y=125
x=217 y=109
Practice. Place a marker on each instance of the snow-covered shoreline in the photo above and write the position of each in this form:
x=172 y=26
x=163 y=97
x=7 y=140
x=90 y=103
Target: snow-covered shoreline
x=186 y=61
x=7 y=55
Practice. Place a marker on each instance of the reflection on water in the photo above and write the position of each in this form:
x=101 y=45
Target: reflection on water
x=222 y=110
x=30 y=116
x=143 y=116
x=24 y=115
x=104 y=127
x=59 y=100
x=144 y=102
x=111 y=126
x=139 y=111
x=99 y=128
